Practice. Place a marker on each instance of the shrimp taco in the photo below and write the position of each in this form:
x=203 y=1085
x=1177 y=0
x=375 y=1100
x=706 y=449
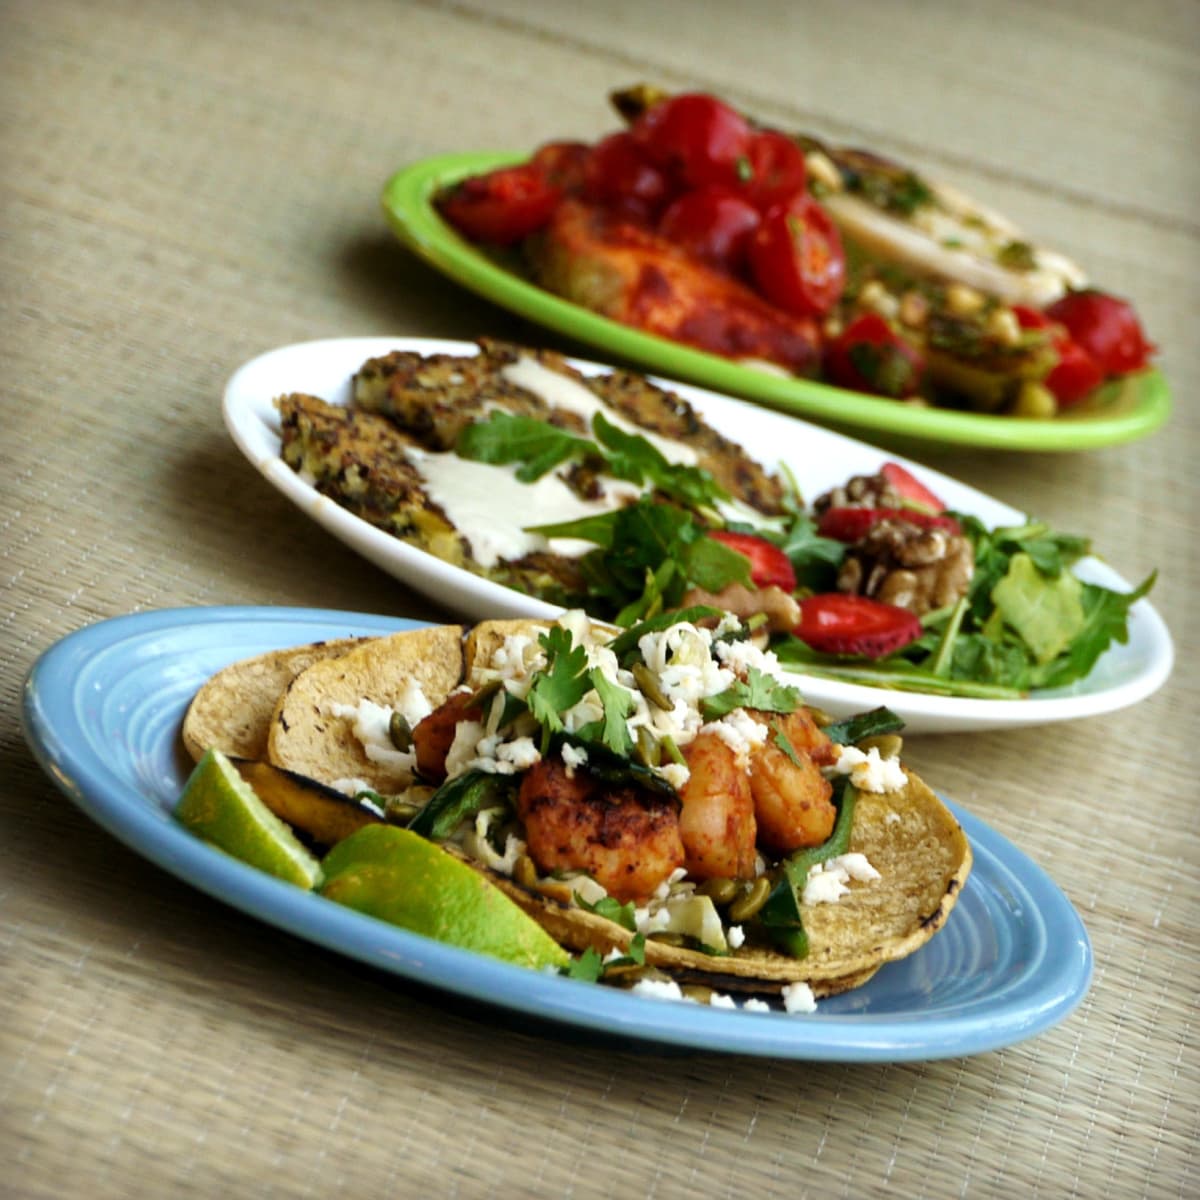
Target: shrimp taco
x=660 y=790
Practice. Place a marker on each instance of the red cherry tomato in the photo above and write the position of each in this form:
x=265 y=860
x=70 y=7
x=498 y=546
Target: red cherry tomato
x=796 y=257
x=769 y=566
x=1106 y=327
x=774 y=169
x=562 y=164
x=502 y=206
x=712 y=223
x=870 y=356
x=1076 y=373
x=619 y=175
x=838 y=623
x=696 y=137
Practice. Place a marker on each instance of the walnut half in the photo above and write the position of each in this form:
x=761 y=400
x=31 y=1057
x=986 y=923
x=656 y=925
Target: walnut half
x=898 y=562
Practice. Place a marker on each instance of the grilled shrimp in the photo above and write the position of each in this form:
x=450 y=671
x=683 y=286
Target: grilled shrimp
x=434 y=735
x=624 y=838
x=791 y=797
x=717 y=822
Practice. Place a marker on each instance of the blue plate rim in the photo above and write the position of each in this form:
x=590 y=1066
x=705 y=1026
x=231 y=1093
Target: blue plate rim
x=1033 y=1003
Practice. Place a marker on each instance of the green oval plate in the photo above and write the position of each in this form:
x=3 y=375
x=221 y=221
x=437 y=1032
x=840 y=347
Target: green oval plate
x=1121 y=411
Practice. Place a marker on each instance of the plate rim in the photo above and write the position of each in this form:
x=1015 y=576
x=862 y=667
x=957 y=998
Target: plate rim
x=124 y=806
x=923 y=712
x=405 y=201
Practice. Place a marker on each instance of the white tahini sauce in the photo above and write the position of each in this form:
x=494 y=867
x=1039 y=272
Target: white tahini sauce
x=561 y=392
x=489 y=505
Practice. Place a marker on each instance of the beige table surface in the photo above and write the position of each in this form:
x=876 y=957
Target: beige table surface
x=187 y=185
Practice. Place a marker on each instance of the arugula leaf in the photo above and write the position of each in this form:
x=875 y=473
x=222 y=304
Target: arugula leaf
x=541 y=446
x=756 y=691
x=507 y=438
x=1106 y=616
x=1046 y=611
x=636 y=459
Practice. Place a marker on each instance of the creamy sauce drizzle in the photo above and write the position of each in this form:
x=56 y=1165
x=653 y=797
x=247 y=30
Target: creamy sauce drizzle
x=559 y=391
x=489 y=505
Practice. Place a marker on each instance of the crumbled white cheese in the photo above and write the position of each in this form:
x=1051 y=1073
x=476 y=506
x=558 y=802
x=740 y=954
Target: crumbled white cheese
x=573 y=756
x=352 y=785
x=740 y=732
x=756 y=1005
x=828 y=881
x=798 y=998
x=741 y=656
x=477 y=842
x=735 y=935
x=676 y=774
x=370 y=723
x=720 y=1000
x=869 y=772
x=463 y=750
x=893 y=818
x=658 y=989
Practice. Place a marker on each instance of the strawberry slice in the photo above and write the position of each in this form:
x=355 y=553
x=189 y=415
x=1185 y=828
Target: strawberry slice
x=851 y=524
x=837 y=623
x=769 y=566
x=910 y=487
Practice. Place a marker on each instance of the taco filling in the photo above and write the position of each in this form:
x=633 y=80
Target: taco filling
x=662 y=791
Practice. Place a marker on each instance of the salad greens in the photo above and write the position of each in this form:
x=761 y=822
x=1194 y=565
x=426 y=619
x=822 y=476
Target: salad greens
x=1027 y=621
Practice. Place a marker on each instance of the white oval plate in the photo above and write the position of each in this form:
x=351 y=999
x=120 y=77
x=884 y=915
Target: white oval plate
x=818 y=458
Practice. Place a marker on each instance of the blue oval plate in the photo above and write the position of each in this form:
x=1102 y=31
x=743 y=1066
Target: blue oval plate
x=102 y=712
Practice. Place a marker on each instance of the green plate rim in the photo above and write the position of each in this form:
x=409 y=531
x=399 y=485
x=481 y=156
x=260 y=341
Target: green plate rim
x=1122 y=411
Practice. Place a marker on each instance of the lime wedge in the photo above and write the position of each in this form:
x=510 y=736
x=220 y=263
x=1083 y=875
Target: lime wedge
x=398 y=876
x=221 y=807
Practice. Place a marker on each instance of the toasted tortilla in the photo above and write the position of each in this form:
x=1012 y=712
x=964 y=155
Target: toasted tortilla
x=233 y=710
x=307 y=738
x=909 y=836
x=923 y=858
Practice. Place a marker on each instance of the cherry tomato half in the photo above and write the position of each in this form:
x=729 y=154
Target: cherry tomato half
x=774 y=169
x=796 y=257
x=1106 y=327
x=769 y=566
x=501 y=206
x=619 y=175
x=712 y=223
x=1076 y=373
x=696 y=137
x=870 y=356
x=562 y=164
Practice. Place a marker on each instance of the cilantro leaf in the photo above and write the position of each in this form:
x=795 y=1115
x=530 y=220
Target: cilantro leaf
x=562 y=683
x=612 y=910
x=757 y=691
x=618 y=704
x=589 y=966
